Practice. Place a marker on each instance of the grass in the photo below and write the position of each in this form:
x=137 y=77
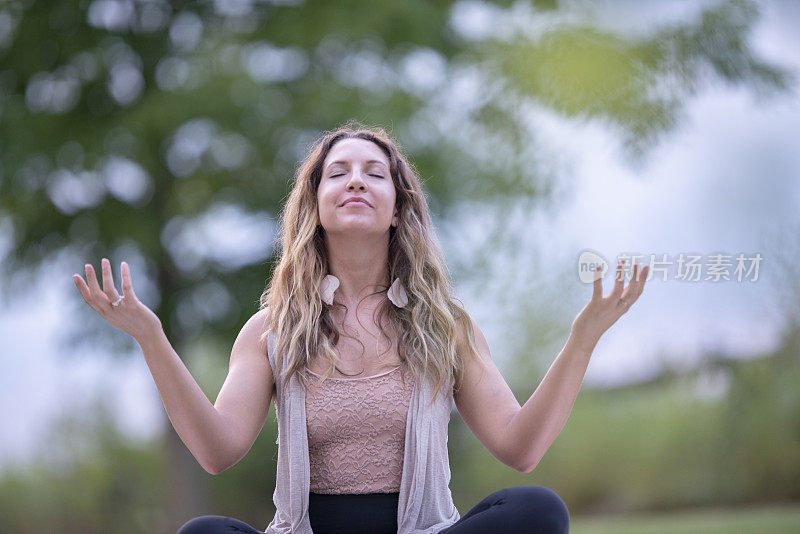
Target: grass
x=775 y=520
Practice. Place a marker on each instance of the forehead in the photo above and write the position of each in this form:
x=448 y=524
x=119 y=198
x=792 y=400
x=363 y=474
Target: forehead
x=353 y=150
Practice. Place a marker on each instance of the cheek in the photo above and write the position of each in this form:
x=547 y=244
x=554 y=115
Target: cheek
x=323 y=195
x=326 y=202
x=391 y=199
x=320 y=202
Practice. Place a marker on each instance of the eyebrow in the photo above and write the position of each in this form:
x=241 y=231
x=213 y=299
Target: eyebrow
x=345 y=163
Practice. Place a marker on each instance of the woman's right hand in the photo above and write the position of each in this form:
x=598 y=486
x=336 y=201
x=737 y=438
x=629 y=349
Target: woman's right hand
x=130 y=315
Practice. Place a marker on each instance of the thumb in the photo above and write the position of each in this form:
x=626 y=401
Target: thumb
x=127 y=283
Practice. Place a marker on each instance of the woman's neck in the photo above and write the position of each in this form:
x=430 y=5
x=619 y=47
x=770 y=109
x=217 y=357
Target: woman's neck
x=359 y=264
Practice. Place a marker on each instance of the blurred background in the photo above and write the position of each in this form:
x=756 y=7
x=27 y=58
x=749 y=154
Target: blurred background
x=165 y=134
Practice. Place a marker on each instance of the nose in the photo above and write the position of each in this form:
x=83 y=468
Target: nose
x=356 y=182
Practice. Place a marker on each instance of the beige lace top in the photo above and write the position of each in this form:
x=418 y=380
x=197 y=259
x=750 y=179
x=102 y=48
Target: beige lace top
x=356 y=431
x=425 y=504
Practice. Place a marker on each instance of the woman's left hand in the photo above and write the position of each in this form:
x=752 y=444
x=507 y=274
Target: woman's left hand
x=600 y=313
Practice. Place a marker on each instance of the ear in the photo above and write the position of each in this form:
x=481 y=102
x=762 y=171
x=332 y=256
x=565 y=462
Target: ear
x=395 y=218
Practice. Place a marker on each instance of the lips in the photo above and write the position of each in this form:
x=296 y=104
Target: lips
x=355 y=201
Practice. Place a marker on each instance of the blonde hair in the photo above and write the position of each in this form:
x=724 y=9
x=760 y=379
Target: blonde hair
x=427 y=327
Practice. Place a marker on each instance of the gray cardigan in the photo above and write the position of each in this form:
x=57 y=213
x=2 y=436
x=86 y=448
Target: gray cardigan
x=425 y=505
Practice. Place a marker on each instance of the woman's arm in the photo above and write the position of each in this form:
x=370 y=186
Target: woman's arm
x=541 y=419
x=203 y=430
x=219 y=435
x=537 y=424
x=519 y=436
x=248 y=390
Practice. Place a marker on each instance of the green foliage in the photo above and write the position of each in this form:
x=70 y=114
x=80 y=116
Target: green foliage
x=664 y=445
x=88 y=478
x=61 y=124
x=636 y=83
x=777 y=520
x=245 y=490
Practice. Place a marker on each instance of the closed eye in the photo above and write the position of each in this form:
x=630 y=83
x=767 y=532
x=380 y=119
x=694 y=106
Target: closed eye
x=342 y=174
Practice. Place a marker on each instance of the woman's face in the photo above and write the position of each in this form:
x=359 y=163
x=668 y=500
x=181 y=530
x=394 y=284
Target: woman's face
x=356 y=167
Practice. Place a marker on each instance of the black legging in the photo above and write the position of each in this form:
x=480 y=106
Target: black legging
x=517 y=510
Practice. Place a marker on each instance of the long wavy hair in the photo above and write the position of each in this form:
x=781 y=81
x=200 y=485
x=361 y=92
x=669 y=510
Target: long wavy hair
x=428 y=328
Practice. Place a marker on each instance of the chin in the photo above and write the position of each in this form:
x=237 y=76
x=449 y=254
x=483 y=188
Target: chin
x=361 y=227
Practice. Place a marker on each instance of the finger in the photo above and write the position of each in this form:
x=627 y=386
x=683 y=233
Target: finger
x=91 y=281
x=597 y=291
x=108 y=280
x=82 y=287
x=85 y=291
x=629 y=295
x=127 y=283
x=635 y=288
x=642 y=273
x=642 y=281
x=619 y=280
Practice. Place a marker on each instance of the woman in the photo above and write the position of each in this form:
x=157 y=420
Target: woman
x=361 y=346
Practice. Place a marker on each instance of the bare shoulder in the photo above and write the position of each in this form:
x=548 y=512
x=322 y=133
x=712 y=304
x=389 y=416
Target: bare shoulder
x=462 y=335
x=249 y=354
x=247 y=391
x=485 y=401
x=251 y=343
x=477 y=363
x=253 y=330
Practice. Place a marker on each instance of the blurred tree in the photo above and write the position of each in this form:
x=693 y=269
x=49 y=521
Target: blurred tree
x=95 y=481
x=164 y=133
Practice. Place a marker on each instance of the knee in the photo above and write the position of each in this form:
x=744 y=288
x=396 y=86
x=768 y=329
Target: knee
x=199 y=525
x=543 y=506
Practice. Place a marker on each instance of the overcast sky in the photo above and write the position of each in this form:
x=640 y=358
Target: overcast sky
x=719 y=183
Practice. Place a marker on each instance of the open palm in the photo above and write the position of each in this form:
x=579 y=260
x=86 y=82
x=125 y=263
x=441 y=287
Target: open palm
x=602 y=312
x=129 y=315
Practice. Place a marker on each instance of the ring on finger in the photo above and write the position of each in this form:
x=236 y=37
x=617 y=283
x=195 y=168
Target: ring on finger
x=116 y=302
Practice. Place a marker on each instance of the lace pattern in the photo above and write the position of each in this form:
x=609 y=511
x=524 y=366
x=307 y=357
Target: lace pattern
x=356 y=432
